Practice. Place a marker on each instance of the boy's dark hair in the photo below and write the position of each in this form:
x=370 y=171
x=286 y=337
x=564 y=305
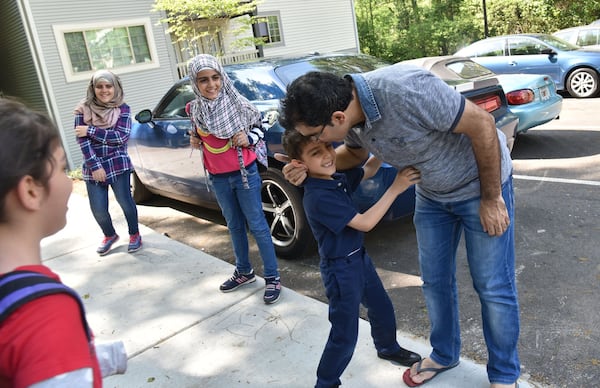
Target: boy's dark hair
x=27 y=141
x=312 y=98
x=293 y=143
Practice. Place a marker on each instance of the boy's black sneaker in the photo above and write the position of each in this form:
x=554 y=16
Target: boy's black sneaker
x=237 y=280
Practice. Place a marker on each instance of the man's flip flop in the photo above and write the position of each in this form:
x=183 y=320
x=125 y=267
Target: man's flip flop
x=408 y=380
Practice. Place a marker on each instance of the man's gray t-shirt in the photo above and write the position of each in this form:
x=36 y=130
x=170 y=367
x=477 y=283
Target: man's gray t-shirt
x=410 y=115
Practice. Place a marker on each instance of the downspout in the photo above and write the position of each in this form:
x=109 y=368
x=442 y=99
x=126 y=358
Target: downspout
x=355 y=27
x=41 y=72
x=255 y=33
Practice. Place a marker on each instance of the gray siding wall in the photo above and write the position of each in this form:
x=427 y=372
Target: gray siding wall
x=310 y=26
x=18 y=69
x=142 y=89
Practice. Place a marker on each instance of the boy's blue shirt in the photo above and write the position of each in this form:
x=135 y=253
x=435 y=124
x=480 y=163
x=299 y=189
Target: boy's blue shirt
x=329 y=209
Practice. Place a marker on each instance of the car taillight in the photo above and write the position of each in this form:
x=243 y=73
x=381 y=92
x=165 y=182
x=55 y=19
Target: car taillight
x=520 y=97
x=489 y=103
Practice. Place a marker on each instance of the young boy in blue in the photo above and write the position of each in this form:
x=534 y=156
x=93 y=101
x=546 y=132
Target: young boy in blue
x=348 y=274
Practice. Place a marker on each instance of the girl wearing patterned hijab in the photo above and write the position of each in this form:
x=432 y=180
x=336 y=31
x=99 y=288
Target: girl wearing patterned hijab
x=228 y=130
x=102 y=127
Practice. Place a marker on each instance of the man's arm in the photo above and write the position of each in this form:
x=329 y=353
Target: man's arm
x=371 y=167
x=347 y=157
x=480 y=127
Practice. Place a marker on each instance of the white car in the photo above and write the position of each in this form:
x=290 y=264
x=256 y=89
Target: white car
x=584 y=36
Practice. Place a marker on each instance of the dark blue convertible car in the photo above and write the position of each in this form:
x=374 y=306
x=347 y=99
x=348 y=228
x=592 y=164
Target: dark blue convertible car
x=166 y=165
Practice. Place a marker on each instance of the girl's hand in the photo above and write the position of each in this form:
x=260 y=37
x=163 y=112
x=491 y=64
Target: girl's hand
x=195 y=140
x=81 y=130
x=240 y=139
x=99 y=175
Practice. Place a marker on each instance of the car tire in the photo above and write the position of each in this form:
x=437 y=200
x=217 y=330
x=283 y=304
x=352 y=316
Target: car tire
x=583 y=83
x=140 y=192
x=282 y=205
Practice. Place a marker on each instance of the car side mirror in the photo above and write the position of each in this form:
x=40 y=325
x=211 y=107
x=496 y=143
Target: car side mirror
x=548 y=51
x=145 y=117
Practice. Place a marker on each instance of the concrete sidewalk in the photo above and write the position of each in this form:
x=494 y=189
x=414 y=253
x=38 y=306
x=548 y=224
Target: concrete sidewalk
x=179 y=330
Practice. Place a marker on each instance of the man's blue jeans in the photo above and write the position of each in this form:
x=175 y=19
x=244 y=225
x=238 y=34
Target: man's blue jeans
x=492 y=265
x=98 y=197
x=240 y=205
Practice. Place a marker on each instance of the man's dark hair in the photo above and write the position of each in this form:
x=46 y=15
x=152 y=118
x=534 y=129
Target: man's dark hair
x=27 y=142
x=312 y=98
x=293 y=143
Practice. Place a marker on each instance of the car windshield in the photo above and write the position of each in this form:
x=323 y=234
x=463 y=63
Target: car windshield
x=339 y=65
x=557 y=43
x=469 y=69
x=173 y=105
x=255 y=83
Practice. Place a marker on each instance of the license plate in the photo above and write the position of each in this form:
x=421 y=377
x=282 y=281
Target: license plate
x=544 y=93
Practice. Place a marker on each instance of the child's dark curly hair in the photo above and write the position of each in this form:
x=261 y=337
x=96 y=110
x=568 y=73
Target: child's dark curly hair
x=293 y=143
x=27 y=142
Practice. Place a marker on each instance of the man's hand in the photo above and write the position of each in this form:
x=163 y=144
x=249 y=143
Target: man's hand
x=494 y=216
x=294 y=171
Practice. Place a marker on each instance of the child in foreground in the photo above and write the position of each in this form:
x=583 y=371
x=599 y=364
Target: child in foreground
x=348 y=274
x=44 y=338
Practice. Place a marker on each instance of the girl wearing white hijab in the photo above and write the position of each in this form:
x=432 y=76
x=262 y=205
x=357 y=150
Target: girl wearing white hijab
x=228 y=130
x=102 y=127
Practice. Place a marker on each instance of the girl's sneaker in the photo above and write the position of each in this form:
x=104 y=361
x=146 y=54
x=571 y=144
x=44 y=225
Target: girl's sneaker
x=272 y=290
x=237 y=280
x=135 y=242
x=106 y=244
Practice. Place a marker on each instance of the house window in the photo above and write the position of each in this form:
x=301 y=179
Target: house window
x=270 y=29
x=124 y=47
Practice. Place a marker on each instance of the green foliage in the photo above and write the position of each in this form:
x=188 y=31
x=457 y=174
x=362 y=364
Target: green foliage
x=75 y=174
x=190 y=20
x=403 y=29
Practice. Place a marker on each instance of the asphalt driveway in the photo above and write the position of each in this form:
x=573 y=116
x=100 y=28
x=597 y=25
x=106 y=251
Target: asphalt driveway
x=557 y=187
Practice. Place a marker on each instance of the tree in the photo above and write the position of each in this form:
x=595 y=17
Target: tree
x=403 y=29
x=191 y=20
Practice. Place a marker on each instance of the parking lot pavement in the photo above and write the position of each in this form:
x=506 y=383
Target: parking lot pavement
x=180 y=331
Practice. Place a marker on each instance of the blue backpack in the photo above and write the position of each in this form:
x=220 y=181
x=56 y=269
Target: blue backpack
x=20 y=287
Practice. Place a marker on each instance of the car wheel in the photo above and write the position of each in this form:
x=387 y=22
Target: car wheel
x=583 y=83
x=282 y=204
x=140 y=192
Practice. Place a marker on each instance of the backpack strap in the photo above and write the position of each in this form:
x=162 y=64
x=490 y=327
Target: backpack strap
x=20 y=287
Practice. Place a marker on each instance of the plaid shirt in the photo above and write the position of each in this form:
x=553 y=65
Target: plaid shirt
x=106 y=147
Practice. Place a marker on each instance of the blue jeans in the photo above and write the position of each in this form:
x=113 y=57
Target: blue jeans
x=492 y=266
x=98 y=197
x=349 y=282
x=241 y=206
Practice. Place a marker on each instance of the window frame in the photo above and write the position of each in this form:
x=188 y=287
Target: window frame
x=277 y=16
x=71 y=76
